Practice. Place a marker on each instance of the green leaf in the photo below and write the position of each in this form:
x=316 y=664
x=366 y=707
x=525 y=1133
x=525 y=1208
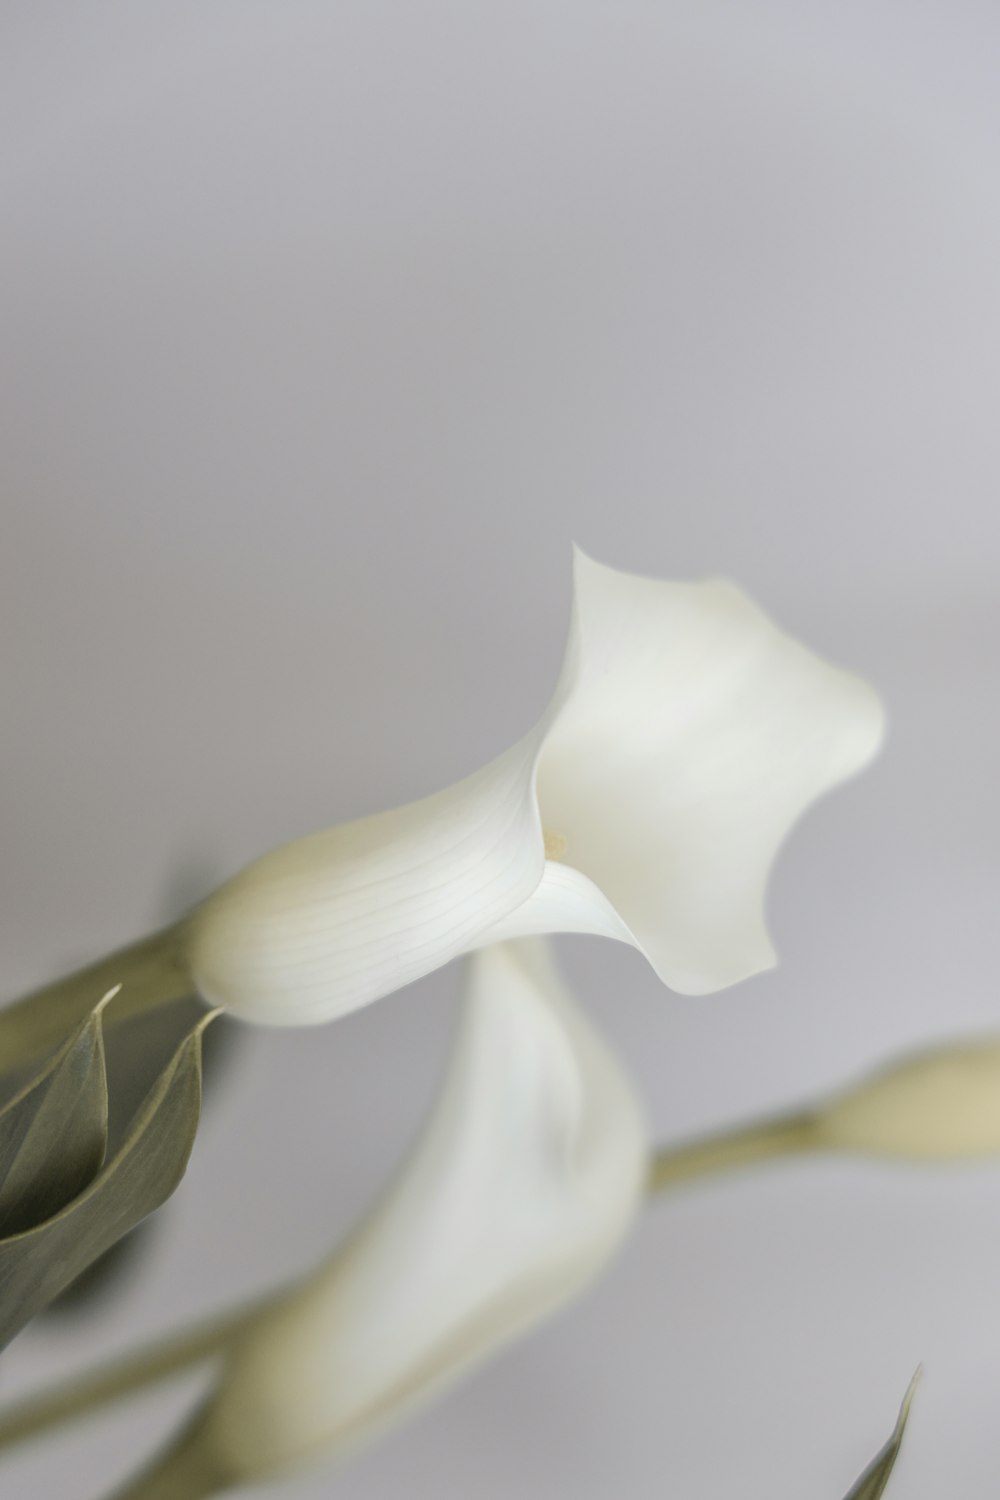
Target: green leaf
x=136 y=1052
x=875 y=1478
x=38 y=1263
x=53 y=1134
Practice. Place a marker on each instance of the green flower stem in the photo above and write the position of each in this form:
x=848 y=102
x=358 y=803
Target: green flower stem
x=785 y=1135
x=122 y=1378
x=152 y=973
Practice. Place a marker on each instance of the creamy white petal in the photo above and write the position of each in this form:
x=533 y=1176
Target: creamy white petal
x=526 y=1178
x=327 y=923
x=693 y=733
x=565 y=900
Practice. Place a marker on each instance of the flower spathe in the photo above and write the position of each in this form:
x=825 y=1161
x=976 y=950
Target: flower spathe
x=686 y=735
x=527 y=1176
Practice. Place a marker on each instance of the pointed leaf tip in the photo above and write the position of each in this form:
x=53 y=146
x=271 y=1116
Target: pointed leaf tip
x=110 y=994
x=873 y=1481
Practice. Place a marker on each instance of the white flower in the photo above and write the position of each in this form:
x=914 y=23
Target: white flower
x=527 y=1176
x=685 y=737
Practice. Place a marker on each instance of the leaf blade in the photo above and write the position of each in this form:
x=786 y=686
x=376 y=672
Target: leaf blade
x=38 y=1263
x=54 y=1132
x=131 y=1046
x=873 y=1481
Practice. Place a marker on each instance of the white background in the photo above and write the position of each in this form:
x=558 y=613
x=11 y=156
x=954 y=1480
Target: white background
x=325 y=328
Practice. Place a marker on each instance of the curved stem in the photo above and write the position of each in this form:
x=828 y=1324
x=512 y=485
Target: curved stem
x=123 y=1378
x=785 y=1135
x=152 y=972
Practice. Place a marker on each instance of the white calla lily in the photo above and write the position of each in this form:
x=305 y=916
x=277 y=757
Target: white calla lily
x=526 y=1178
x=686 y=736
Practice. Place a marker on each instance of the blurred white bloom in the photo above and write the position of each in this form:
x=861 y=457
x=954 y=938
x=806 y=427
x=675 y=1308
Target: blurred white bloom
x=685 y=737
x=527 y=1176
x=933 y=1106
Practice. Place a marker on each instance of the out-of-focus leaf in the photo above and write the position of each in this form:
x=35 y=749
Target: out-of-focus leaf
x=37 y=1264
x=875 y=1478
x=54 y=1133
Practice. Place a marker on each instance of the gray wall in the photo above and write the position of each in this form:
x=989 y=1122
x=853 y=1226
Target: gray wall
x=326 y=327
